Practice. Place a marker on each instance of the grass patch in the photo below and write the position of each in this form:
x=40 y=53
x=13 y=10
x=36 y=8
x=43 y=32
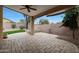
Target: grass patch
x=13 y=31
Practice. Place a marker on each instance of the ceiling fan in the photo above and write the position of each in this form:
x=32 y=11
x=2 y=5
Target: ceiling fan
x=28 y=7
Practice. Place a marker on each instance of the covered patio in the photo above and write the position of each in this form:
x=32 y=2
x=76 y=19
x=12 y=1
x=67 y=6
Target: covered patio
x=41 y=10
x=31 y=41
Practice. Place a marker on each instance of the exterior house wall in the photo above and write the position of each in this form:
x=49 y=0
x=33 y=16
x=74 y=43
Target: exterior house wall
x=1 y=22
x=19 y=24
x=7 y=25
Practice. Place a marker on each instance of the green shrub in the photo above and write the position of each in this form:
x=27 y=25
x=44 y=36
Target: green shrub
x=13 y=25
x=4 y=35
x=21 y=27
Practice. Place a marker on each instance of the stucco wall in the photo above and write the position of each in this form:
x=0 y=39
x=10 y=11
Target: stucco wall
x=19 y=24
x=55 y=29
x=42 y=28
x=7 y=25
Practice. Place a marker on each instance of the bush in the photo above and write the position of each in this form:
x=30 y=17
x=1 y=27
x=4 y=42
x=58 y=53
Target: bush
x=4 y=35
x=13 y=25
x=21 y=27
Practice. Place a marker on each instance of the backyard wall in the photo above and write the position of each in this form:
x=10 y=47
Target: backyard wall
x=55 y=29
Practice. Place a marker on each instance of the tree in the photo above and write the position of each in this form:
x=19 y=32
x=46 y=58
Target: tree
x=43 y=21
x=70 y=20
x=21 y=27
x=22 y=21
x=13 y=25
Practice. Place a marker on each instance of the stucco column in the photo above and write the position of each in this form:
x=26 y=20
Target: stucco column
x=26 y=22
x=1 y=22
x=32 y=24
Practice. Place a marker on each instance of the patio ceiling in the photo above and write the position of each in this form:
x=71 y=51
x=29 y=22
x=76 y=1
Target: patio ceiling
x=41 y=9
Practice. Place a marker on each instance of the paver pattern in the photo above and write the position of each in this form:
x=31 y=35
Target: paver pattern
x=37 y=43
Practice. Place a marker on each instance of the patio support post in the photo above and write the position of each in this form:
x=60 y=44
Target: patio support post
x=26 y=22
x=32 y=24
x=1 y=22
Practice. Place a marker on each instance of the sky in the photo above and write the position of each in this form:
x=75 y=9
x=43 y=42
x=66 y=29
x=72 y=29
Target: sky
x=12 y=15
x=51 y=19
x=16 y=16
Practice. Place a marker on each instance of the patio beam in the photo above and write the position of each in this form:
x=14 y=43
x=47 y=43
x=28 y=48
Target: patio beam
x=52 y=10
x=1 y=22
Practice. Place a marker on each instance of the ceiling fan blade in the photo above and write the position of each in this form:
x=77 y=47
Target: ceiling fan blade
x=22 y=8
x=28 y=9
x=33 y=8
